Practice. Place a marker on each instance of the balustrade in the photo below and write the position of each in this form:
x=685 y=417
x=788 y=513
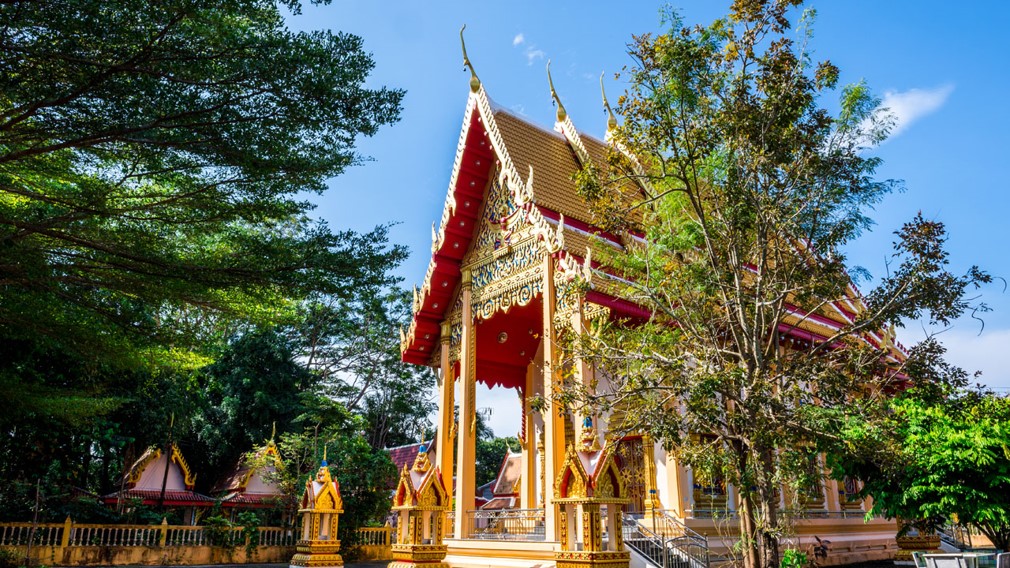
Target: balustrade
x=505 y=524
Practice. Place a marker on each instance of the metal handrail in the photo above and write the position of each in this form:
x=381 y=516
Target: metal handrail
x=506 y=524
x=668 y=543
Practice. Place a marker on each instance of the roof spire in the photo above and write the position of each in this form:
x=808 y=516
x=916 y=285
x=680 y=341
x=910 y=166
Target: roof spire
x=273 y=432
x=474 y=81
x=611 y=119
x=554 y=94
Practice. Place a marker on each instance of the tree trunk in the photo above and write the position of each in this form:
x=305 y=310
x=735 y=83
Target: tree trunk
x=998 y=535
x=768 y=528
x=748 y=533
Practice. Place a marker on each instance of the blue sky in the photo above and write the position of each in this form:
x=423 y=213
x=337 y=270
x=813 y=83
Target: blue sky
x=943 y=69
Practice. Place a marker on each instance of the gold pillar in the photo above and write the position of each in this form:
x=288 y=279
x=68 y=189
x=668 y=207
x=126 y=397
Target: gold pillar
x=444 y=443
x=586 y=376
x=652 y=502
x=466 y=435
x=554 y=427
x=528 y=477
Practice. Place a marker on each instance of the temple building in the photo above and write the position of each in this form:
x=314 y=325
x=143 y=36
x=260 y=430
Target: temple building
x=513 y=242
x=162 y=479
x=254 y=484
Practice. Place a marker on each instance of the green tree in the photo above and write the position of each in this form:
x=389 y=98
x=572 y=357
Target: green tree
x=937 y=461
x=151 y=160
x=253 y=386
x=351 y=343
x=750 y=191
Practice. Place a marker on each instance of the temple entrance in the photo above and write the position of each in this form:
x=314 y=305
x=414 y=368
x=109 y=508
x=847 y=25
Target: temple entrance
x=509 y=357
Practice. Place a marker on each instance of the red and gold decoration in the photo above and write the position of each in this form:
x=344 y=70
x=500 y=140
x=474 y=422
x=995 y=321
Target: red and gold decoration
x=320 y=509
x=590 y=492
x=420 y=502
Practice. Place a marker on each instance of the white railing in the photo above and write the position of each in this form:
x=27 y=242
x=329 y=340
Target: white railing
x=69 y=533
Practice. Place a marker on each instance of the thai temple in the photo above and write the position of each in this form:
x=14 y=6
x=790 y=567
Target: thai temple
x=498 y=294
x=253 y=483
x=160 y=478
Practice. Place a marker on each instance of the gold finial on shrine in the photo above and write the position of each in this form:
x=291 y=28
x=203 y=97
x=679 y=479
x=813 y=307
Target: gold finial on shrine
x=611 y=119
x=273 y=431
x=474 y=81
x=554 y=94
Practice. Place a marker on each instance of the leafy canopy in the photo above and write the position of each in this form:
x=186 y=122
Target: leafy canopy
x=749 y=190
x=151 y=160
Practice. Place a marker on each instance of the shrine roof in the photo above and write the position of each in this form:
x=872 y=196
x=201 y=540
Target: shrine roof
x=238 y=479
x=172 y=498
x=508 y=475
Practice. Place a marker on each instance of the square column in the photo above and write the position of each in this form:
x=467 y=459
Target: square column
x=554 y=426
x=443 y=435
x=528 y=477
x=466 y=436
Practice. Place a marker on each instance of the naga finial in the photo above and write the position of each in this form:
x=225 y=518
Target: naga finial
x=554 y=94
x=273 y=432
x=611 y=119
x=474 y=81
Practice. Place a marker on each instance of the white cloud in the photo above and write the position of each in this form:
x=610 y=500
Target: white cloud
x=532 y=54
x=913 y=104
x=518 y=40
x=986 y=352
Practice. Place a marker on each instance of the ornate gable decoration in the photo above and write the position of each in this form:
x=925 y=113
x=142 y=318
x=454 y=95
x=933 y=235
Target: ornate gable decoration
x=322 y=494
x=151 y=456
x=421 y=488
x=603 y=485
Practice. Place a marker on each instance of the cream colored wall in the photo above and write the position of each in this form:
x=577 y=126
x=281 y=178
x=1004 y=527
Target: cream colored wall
x=153 y=475
x=154 y=555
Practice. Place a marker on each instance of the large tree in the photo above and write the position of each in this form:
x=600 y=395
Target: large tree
x=936 y=461
x=751 y=192
x=151 y=160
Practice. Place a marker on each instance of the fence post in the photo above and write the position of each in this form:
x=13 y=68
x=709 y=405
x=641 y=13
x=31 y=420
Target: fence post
x=67 y=527
x=163 y=537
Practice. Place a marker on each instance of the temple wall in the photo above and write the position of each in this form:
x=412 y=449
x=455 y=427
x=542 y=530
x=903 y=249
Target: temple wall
x=154 y=555
x=153 y=475
x=258 y=485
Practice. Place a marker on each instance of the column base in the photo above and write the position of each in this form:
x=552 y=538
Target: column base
x=419 y=555
x=590 y=559
x=317 y=556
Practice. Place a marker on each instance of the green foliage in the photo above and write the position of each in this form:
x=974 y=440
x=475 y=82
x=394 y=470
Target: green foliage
x=750 y=191
x=9 y=558
x=250 y=523
x=151 y=156
x=490 y=453
x=792 y=558
x=352 y=344
x=936 y=461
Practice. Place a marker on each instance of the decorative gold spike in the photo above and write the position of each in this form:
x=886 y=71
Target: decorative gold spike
x=474 y=81
x=273 y=432
x=611 y=119
x=324 y=451
x=554 y=94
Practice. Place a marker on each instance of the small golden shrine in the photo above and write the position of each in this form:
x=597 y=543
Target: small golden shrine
x=421 y=501
x=320 y=509
x=590 y=492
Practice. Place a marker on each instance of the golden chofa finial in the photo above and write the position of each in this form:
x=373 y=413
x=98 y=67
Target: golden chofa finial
x=554 y=94
x=474 y=81
x=611 y=119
